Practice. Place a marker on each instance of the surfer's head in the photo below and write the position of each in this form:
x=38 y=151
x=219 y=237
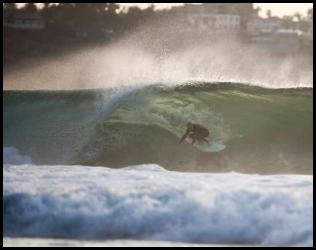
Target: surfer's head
x=190 y=126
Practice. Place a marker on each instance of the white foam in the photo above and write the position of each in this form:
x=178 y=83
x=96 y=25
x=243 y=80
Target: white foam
x=150 y=203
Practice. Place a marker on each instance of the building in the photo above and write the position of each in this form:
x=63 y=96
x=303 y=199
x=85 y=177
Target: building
x=288 y=41
x=257 y=25
x=23 y=21
x=282 y=41
x=227 y=18
x=215 y=23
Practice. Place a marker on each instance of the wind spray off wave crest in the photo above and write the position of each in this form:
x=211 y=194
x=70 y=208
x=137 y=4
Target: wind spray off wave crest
x=155 y=52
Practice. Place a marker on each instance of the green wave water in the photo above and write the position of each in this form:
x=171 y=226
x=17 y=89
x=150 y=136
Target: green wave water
x=264 y=130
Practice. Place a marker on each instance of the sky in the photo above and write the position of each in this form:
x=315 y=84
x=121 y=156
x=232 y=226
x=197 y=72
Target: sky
x=277 y=9
x=281 y=9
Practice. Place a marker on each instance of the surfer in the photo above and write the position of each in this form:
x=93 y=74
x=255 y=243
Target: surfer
x=196 y=132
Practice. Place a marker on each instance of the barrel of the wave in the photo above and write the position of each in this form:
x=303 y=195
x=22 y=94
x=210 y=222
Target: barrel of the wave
x=264 y=130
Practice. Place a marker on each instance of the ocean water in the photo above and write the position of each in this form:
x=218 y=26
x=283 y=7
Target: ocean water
x=105 y=165
x=265 y=131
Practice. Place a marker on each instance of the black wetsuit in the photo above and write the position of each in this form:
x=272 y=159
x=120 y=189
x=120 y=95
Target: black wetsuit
x=196 y=132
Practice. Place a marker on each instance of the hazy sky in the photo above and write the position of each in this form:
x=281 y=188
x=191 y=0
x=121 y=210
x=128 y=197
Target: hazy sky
x=277 y=9
x=281 y=9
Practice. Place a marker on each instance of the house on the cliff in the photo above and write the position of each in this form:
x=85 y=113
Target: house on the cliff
x=27 y=21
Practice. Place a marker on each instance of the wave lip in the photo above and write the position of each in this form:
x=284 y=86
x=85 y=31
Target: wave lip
x=103 y=203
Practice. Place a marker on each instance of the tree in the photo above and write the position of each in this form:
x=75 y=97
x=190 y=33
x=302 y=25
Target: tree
x=310 y=14
x=288 y=22
x=9 y=6
x=257 y=10
x=298 y=16
x=30 y=8
x=9 y=10
x=133 y=16
x=46 y=6
x=269 y=13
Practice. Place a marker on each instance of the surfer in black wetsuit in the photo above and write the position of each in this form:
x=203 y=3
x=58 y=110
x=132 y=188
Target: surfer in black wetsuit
x=196 y=132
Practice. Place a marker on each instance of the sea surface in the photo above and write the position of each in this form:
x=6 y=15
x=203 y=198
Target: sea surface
x=105 y=165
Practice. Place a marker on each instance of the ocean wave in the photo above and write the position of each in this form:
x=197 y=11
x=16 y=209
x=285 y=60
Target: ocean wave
x=264 y=130
x=150 y=203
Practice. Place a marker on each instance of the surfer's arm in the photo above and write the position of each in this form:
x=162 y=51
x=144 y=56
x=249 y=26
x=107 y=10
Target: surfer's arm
x=206 y=141
x=184 y=136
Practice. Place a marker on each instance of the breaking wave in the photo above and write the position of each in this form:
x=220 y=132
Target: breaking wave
x=148 y=202
x=264 y=130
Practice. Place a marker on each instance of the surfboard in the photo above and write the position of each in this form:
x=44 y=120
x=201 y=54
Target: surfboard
x=214 y=147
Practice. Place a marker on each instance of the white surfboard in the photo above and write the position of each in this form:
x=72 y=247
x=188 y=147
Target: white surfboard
x=214 y=147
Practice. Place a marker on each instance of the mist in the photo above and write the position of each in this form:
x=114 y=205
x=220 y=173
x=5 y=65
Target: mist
x=157 y=52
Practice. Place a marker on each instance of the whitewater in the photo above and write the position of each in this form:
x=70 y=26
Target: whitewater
x=151 y=203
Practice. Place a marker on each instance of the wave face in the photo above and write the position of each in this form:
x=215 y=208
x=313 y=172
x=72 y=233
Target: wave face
x=264 y=130
x=148 y=202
